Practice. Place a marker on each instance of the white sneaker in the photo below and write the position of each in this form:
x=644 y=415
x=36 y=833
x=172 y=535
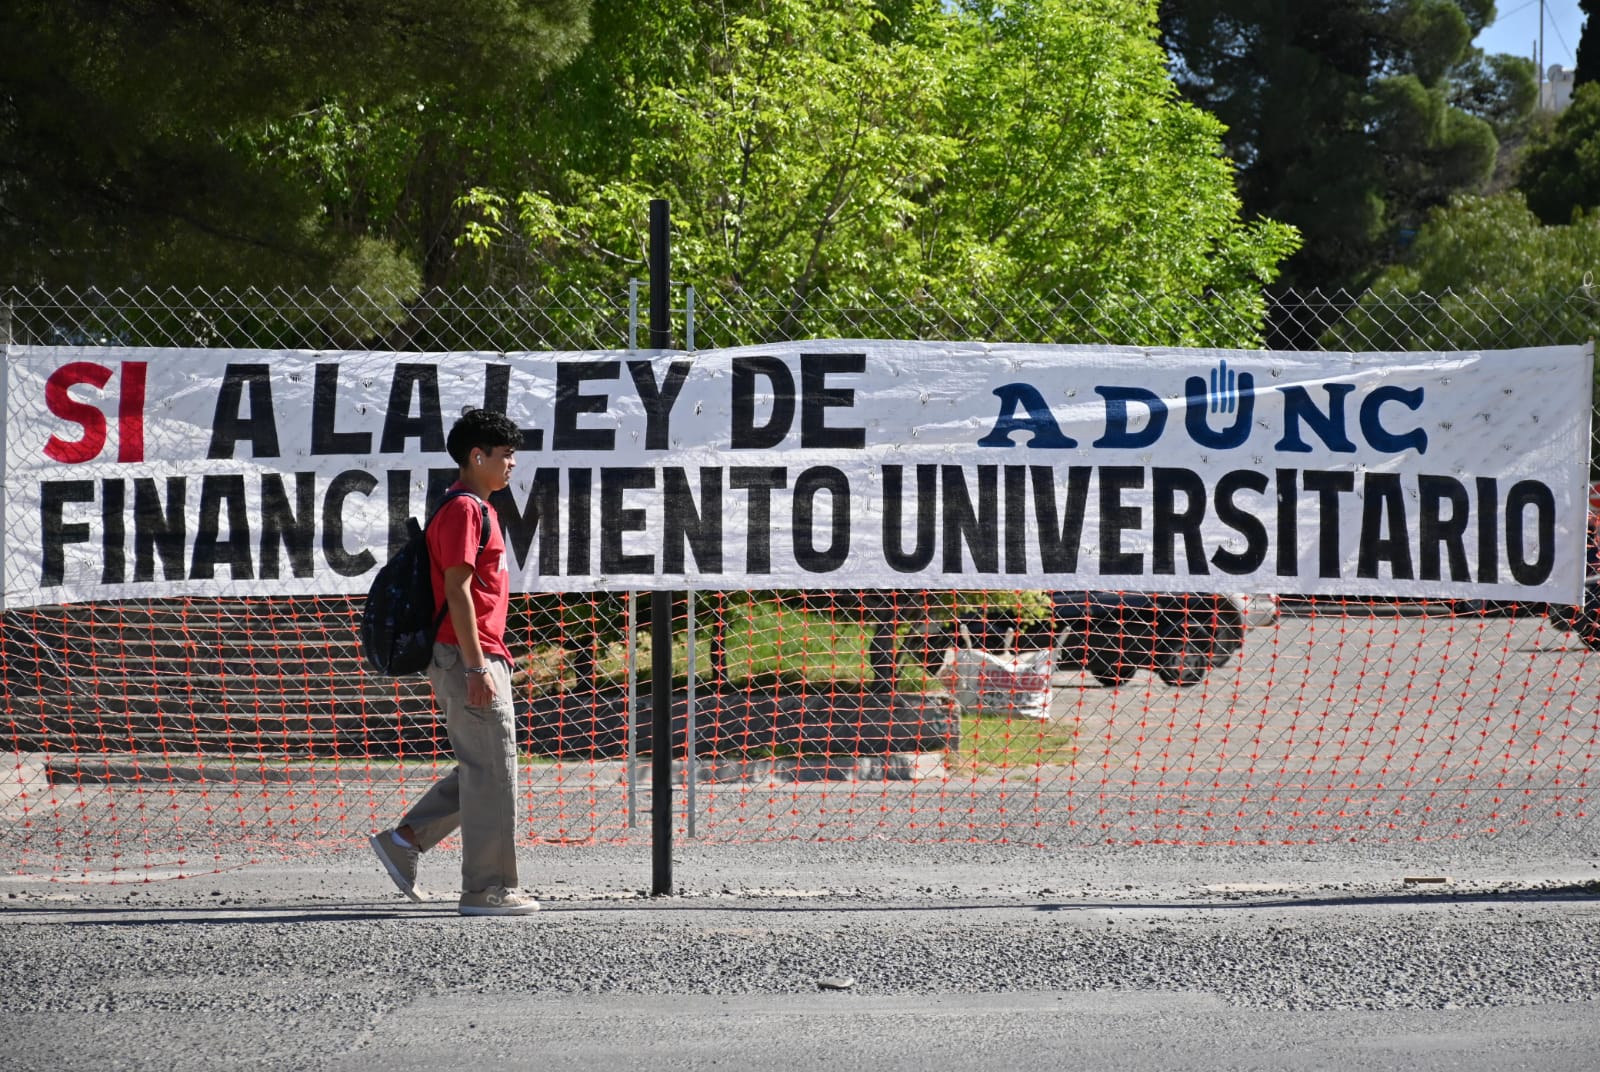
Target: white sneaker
x=497 y=901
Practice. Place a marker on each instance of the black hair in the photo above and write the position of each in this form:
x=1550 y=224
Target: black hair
x=481 y=429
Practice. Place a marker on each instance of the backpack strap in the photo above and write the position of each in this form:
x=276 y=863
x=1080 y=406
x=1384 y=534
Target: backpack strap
x=483 y=539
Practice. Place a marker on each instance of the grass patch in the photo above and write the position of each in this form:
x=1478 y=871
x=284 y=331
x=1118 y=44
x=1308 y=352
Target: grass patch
x=992 y=742
x=768 y=643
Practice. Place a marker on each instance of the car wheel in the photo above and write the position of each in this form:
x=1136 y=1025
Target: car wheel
x=1105 y=663
x=1195 y=636
x=1186 y=665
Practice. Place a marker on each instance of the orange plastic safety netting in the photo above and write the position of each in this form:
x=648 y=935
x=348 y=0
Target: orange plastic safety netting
x=166 y=737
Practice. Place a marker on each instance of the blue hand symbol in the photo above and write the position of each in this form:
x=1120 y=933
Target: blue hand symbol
x=1224 y=393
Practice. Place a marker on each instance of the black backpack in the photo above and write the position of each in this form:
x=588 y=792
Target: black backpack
x=399 y=621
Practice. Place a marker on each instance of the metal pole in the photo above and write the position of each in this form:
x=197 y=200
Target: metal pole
x=660 y=278
x=660 y=601
x=691 y=779
x=688 y=317
x=633 y=314
x=691 y=759
x=632 y=708
x=5 y=378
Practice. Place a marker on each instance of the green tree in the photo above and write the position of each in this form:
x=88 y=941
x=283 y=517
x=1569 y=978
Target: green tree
x=1587 y=61
x=1484 y=273
x=817 y=149
x=142 y=139
x=789 y=138
x=1343 y=116
x=1500 y=89
x=1091 y=172
x=403 y=170
x=1561 y=173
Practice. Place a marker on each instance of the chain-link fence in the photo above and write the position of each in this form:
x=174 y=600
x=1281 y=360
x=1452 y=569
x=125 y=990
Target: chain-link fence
x=180 y=734
x=516 y=319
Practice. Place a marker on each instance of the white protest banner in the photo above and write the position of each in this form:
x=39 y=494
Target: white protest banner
x=133 y=473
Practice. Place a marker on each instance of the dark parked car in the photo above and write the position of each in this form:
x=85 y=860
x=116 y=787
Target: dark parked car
x=1113 y=635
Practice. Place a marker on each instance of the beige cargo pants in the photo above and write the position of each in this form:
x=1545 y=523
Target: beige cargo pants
x=479 y=797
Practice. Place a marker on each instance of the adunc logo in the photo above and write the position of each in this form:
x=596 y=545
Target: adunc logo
x=1225 y=393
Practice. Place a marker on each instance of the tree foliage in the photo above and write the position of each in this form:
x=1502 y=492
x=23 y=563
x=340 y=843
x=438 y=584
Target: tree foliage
x=1496 y=245
x=1587 y=61
x=1484 y=273
x=815 y=149
x=141 y=137
x=1349 y=118
x=1500 y=89
x=1561 y=173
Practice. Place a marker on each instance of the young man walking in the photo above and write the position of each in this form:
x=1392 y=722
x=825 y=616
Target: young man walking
x=471 y=676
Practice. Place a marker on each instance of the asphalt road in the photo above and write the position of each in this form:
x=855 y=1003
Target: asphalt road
x=944 y=957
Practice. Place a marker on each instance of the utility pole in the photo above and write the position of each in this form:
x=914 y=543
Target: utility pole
x=1541 y=58
x=661 y=602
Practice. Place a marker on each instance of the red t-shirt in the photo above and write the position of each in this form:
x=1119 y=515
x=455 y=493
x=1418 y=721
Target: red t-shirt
x=452 y=540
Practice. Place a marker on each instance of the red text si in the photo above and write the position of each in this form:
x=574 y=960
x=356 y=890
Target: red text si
x=130 y=411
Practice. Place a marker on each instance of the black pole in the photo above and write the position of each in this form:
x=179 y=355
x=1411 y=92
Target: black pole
x=660 y=602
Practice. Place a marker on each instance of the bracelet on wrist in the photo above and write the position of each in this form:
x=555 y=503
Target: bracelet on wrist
x=484 y=669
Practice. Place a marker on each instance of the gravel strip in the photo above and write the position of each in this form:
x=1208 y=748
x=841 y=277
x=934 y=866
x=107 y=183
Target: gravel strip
x=293 y=964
